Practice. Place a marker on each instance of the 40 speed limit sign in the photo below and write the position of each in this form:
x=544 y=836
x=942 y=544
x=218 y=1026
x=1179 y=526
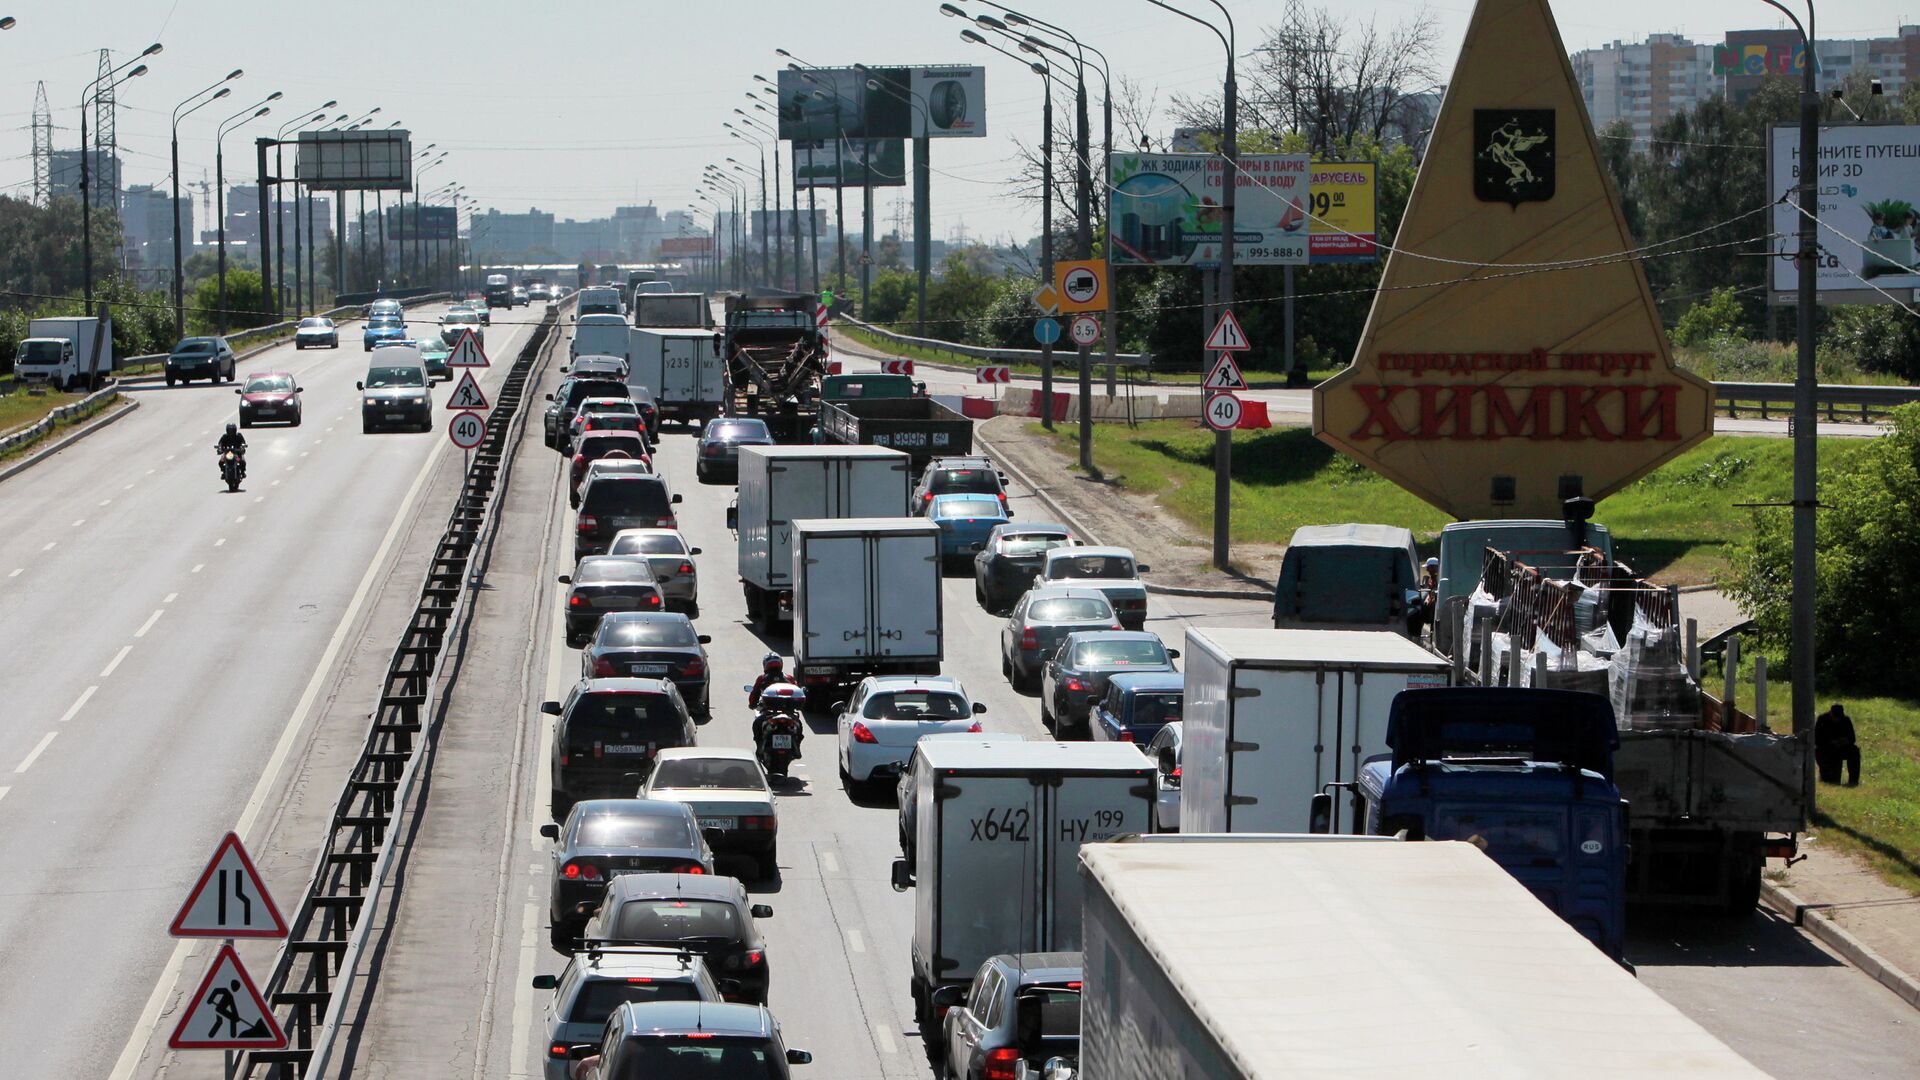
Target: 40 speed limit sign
x=1223 y=412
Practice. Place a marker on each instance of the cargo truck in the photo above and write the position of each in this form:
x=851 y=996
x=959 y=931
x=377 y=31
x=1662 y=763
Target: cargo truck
x=866 y=601
x=682 y=368
x=998 y=828
x=776 y=355
x=890 y=410
x=71 y=353
x=781 y=484
x=686 y=311
x=1274 y=716
x=1265 y=958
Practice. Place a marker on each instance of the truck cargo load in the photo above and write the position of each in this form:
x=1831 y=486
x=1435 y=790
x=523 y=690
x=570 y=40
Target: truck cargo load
x=866 y=601
x=775 y=354
x=920 y=427
x=781 y=484
x=686 y=311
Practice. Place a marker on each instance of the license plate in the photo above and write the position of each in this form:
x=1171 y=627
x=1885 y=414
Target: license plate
x=718 y=822
x=618 y=870
x=780 y=742
x=396 y=416
x=621 y=603
x=817 y=669
x=626 y=748
x=651 y=669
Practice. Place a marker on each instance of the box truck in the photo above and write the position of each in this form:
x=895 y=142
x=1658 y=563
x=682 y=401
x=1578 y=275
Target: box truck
x=1273 y=716
x=681 y=368
x=782 y=484
x=1265 y=958
x=866 y=601
x=685 y=310
x=998 y=830
x=72 y=353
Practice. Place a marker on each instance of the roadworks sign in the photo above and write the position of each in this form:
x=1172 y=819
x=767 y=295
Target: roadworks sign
x=227 y=1012
x=467 y=394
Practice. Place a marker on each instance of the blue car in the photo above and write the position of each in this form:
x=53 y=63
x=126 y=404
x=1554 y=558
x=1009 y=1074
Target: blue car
x=1136 y=707
x=966 y=520
x=382 y=329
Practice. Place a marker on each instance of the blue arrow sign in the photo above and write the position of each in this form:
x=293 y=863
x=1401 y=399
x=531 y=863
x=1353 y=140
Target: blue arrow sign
x=1046 y=331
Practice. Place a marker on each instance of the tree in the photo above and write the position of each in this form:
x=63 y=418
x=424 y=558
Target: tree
x=1718 y=316
x=246 y=303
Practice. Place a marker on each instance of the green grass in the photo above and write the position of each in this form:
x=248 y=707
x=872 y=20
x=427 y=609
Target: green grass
x=59 y=425
x=20 y=408
x=1676 y=523
x=1170 y=378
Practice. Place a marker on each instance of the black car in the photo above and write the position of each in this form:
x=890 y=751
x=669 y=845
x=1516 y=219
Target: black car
x=651 y=645
x=1076 y=674
x=616 y=502
x=667 y=1040
x=605 y=839
x=568 y=396
x=1006 y=566
x=718 y=455
x=607 y=735
x=706 y=914
x=209 y=358
x=603 y=583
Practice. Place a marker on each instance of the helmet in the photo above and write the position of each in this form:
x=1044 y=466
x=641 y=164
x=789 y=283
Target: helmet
x=1433 y=564
x=771 y=661
x=231 y=428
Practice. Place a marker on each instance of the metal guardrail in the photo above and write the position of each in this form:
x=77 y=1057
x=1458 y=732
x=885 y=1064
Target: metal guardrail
x=990 y=355
x=1837 y=401
x=45 y=424
x=317 y=963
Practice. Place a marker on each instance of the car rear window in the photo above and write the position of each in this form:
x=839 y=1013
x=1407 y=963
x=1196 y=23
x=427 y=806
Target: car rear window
x=605 y=421
x=660 y=543
x=675 y=633
x=737 y=431
x=598 y=998
x=395 y=376
x=1070 y=609
x=712 y=773
x=635 y=715
x=632 y=830
x=946 y=480
x=579 y=390
x=675 y=919
x=1118 y=653
x=609 y=408
x=1091 y=566
x=600 y=571
x=1032 y=543
x=966 y=508
x=1046 y=1014
x=1156 y=708
x=663 y=1058
x=635 y=495
x=270 y=384
x=916 y=705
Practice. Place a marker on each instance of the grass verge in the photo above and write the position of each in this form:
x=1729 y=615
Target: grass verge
x=20 y=408
x=59 y=426
x=1161 y=378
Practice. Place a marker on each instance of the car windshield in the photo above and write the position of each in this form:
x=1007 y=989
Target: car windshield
x=633 y=830
x=637 y=714
x=1091 y=566
x=970 y=508
x=1070 y=609
x=1512 y=837
x=675 y=633
x=194 y=345
x=916 y=705
x=270 y=384
x=601 y=571
x=1118 y=653
x=736 y=1059
x=1032 y=543
x=597 y=999
x=433 y=350
x=323 y=324
x=675 y=919
x=731 y=774
x=462 y=317
x=623 y=496
x=734 y=432
x=395 y=376
x=1153 y=709
x=385 y=322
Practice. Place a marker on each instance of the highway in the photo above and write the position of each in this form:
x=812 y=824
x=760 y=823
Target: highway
x=455 y=956
x=171 y=648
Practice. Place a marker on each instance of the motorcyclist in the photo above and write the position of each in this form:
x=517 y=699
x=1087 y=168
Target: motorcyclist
x=772 y=670
x=236 y=442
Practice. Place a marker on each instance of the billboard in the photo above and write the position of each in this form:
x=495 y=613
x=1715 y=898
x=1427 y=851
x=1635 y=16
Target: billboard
x=672 y=247
x=1166 y=209
x=821 y=164
x=821 y=103
x=1346 y=216
x=437 y=223
x=1869 y=190
x=949 y=102
x=355 y=160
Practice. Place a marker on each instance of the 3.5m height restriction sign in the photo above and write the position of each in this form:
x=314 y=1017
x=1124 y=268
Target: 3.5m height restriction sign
x=1223 y=412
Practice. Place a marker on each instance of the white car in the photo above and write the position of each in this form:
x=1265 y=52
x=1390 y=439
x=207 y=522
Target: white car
x=670 y=556
x=729 y=794
x=316 y=332
x=1164 y=751
x=596 y=982
x=888 y=714
x=1111 y=570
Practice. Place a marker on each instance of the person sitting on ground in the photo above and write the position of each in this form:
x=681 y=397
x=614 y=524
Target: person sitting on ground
x=1833 y=745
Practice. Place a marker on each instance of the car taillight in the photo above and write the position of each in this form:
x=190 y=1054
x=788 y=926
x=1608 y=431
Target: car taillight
x=975 y=727
x=685 y=568
x=763 y=823
x=1117 y=626
x=691 y=868
x=1074 y=684
x=1175 y=773
x=999 y=1063
x=603 y=668
x=863 y=734
x=653 y=599
x=588 y=523
x=576 y=600
x=557 y=1051
x=575 y=871
x=1031 y=640
x=710 y=450
x=579 y=462
x=694 y=667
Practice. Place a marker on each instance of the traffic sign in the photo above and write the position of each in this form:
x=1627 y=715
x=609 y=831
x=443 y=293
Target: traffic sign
x=1046 y=331
x=1227 y=335
x=227 y=1012
x=467 y=394
x=993 y=374
x=1225 y=375
x=1082 y=284
x=466 y=429
x=467 y=352
x=1223 y=412
x=1047 y=300
x=1085 y=330
x=896 y=367
x=230 y=900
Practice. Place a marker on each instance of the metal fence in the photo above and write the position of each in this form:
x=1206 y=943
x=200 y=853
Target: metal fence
x=987 y=355
x=1836 y=402
x=45 y=425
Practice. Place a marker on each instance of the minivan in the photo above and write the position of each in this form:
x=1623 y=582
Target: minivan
x=1347 y=577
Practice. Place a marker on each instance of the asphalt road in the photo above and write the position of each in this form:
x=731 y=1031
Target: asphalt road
x=165 y=641
x=453 y=995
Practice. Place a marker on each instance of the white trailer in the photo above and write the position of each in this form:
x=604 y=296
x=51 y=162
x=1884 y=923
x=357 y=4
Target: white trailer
x=782 y=484
x=1272 y=716
x=866 y=601
x=71 y=352
x=1264 y=958
x=682 y=369
x=998 y=828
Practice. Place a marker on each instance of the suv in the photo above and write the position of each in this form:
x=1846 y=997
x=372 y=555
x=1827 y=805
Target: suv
x=956 y=476
x=607 y=735
x=1022 y=1007
x=596 y=982
x=683 y=1038
x=568 y=396
x=613 y=503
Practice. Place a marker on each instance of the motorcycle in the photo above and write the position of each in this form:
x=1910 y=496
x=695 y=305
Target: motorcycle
x=778 y=728
x=233 y=467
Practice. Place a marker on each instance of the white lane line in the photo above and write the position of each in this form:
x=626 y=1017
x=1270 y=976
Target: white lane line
x=170 y=597
x=276 y=483
x=150 y=472
x=259 y=498
x=106 y=502
x=290 y=468
x=34 y=754
x=74 y=709
x=77 y=523
x=304 y=453
x=240 y=519
x=197 y=567
x=829 y=863
x=129 y=487
x=170 y=457
x=163 y=987
x=884 y=1039
x=18 y=571
x=3 y=792
x=49 y=546
x=220 y=542
x=115 y=662
x=188 y=445
x=148 y=625
x=855 y=941
x=532 y=917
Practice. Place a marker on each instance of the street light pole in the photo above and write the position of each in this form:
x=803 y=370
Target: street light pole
x=179 y=260
x=280 y=214
x=922 y=192
x=220 y=187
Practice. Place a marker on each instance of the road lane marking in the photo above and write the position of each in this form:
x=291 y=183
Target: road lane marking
x=170 y=597
x=884 y=1039
x=49 y=546
x=150 y=472
x=197 y=567
x=77 y=523
x=170 y=457
x=74 y=709
x=276 y=483
x=531 y=920
x=129 y=487
x=220 y=542
x=3 y=792
x=115 y=662
x=148 y=625
x=828 y=861
x=304 y=453
x=259 y=498
x=18 y=571
x=34 y=755
x=106 y=502
x=240 y=519
x=854 y=941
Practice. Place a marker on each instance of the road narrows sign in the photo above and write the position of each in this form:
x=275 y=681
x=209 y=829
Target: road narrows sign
x=1225 y=375
x=467 y=394
x=466 y=429
x=1085 y=329
x=1227 y=335
x=230 y=900
x=467 y=352
x=1223 y=412
x=227 y=1012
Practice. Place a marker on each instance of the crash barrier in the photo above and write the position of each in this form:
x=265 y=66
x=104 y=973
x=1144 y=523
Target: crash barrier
x=247 y=338
x=1122 y=408
x=317 y=963
x=1063 y=355
x=1835 y=402
x=423 y=294
x=44 y=425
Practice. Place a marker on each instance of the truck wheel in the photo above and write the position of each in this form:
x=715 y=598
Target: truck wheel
x=1743 y=885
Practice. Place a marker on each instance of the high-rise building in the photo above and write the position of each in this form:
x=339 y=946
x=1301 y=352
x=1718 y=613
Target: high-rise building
x=513 y=236
x=146 y=221
x=64 y=172
x=1644 y=83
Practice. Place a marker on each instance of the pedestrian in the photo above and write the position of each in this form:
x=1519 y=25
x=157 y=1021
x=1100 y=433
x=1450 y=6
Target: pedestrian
x=1833 y=744
x=1420 y=613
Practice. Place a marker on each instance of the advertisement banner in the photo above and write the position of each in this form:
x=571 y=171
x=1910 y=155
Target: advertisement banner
x=1166 y=209
x=818 y=165
x=678 y=246
x=821 y=103
x=1869 y=188
x=950 y=102
x=355 y=160
x=1346 y=218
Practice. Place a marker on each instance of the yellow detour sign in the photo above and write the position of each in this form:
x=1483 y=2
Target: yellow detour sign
x=1500 y=390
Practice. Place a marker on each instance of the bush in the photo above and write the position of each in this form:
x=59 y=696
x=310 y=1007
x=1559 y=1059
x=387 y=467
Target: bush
x=1867 y=610
x=246 y=303
x=1718 y=316
x=1883 y=337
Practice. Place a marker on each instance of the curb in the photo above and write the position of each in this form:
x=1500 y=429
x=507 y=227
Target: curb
x=1814 y=919
x=91 y=426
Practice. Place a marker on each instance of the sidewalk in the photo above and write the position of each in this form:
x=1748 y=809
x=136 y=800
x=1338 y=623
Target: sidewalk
x=1843 y=902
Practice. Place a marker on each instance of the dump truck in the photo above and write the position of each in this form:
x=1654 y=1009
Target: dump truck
x=892 y=411
x=776 y=356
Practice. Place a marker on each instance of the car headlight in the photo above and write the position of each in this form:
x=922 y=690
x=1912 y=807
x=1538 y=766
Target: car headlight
x=373 y=401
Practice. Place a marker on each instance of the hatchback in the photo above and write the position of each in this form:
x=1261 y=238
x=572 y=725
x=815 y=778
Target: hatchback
x=603 y=839
x=965 y=522
x=706 y=914
x=603 y=583
x=607 y=734
x=269 y=395
x=957 y=476
x=1010 y=559
x=888 y=715
x=651 y=645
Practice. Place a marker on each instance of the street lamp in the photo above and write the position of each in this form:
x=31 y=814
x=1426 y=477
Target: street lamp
x=828 y=94
x=280 y=214
x=237 y=120
x=779 y=215
x=922 y=193
x=771 y=274
x=219 y=90
x=419 y=249
x=112 y=78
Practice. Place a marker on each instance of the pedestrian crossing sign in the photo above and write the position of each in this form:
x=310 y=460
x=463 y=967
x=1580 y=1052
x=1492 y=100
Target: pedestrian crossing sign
x=227 y=1012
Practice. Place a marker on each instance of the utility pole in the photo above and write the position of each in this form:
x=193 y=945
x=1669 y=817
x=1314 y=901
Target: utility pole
x=1083 y=196
x=1805 y=419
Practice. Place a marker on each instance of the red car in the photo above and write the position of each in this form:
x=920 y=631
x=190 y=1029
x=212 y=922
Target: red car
x=591 y=446
x=269 y=395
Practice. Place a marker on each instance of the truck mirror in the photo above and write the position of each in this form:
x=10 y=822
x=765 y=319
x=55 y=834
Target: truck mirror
x=902 y=875
x=550 y=831
x=551 y=708
x=545 y=982
x=761 y=911
x=1320 y=813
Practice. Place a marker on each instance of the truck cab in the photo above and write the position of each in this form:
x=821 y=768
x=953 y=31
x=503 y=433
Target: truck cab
x=499 y=291
x=1524 y=774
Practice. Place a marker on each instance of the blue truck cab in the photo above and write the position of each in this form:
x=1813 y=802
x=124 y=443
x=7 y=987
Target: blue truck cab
x=1525 y=774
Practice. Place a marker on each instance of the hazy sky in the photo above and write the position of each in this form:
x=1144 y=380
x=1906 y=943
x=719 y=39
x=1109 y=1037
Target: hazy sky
x=577 y=107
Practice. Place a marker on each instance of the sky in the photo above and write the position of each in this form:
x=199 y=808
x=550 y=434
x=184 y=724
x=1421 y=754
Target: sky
x=577 y=108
